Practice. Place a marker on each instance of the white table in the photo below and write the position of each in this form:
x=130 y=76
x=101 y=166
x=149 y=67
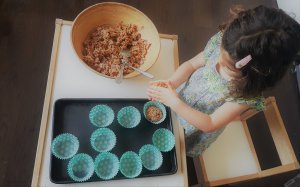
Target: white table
x=69 y=78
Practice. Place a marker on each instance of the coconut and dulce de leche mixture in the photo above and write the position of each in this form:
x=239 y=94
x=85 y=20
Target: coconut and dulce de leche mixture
x=154 y=114
x=102 y=48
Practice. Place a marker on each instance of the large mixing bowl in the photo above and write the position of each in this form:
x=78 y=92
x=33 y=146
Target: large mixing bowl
x=110 y=13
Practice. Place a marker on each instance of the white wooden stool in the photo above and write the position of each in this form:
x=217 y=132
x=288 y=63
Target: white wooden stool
x=232 y=158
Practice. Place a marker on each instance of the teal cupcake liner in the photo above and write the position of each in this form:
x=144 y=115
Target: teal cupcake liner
x=158 y=105
x=163 y=139
x=130 y=164
x=81 y=167
x=103 y=139
x=101 y=115
x=129 y=117
x=107 y=165
x=64 y=146
x=151 y=157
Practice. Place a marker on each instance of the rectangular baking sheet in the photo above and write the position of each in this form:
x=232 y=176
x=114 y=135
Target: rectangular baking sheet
x=72 y=116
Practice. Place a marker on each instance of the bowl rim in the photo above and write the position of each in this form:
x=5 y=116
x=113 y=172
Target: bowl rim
x=130 y=75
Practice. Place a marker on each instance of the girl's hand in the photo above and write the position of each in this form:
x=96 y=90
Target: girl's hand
x=167 y=96
x=159 y=83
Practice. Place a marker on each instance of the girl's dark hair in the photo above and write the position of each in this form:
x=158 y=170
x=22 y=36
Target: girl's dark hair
x=271 y=37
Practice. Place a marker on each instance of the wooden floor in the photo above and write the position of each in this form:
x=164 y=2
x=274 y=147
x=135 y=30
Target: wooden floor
x=26 y=34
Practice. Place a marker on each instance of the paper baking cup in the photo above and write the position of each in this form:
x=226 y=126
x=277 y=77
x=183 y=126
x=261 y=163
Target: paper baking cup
x=101 y=115
x=130 y=164
x=129 y=117
x=151 y=157
x=163 y=139
x=106 y=165
x=158 y=105
x=64 y=146
x=103 y=139
x=81 y=167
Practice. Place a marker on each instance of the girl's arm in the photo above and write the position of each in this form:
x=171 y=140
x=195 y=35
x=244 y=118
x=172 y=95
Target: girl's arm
x=186 y=69
x=207 y=123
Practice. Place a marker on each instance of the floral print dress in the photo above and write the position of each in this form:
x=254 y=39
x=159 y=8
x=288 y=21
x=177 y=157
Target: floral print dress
x=206 y=91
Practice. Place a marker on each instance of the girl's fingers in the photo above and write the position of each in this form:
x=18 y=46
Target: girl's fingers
x=156 y=98
x=159 y=89
x=169 y=84
x=160 y=101
x=149 y=98
x=170 y=87
x=154 y=91
x=152 y=95
x=154 y=87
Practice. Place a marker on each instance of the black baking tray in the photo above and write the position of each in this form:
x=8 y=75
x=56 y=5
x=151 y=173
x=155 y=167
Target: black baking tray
x=71 y=116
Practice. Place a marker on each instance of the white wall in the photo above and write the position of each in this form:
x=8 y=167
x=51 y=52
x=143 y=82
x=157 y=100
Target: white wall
x=291 y=7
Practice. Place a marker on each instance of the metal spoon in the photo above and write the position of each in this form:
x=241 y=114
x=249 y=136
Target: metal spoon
x=119 y=78
x=140 y=71
x=126 y=54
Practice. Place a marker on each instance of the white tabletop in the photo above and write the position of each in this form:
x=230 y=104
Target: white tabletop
x=74 y=80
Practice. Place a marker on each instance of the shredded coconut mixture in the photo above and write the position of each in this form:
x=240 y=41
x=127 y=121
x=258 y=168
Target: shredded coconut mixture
x=153 y=114
x=102 y=48
x=161 y=84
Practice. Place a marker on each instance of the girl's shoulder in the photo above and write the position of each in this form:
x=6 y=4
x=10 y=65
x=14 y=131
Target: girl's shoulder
x=215 y=38
x=212 y=45
x=257 y=103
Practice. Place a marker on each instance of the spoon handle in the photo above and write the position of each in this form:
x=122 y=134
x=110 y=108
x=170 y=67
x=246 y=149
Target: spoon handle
x=119 y=78
x=142 y=72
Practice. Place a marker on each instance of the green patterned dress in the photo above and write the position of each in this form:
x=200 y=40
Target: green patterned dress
x=206 y=91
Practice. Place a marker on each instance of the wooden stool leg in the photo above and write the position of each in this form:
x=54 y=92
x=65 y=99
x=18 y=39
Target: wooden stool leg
x=200 y=171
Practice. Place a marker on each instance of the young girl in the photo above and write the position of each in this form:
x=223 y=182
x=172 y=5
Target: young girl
x=250 y=53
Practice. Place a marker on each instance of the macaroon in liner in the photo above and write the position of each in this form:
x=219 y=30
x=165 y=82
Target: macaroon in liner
x=101 y=115
x=154 y=112
x=130 y=164
x=129 y=117
x=103 y=139
x=81 y=167
x=163 y=139
x=107 y=165
x=151 y=157
x=64 y=146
